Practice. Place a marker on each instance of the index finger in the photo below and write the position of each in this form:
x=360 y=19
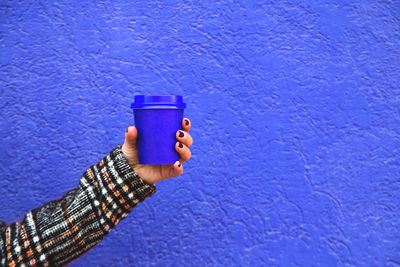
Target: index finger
x=186 y=124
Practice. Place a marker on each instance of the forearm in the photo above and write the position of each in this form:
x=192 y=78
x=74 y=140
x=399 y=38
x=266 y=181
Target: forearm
x=63 y=229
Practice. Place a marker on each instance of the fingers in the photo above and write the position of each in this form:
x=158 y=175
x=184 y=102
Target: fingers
x=184 y=138
x=183 y=151
x=186 y=124
x=177 y=169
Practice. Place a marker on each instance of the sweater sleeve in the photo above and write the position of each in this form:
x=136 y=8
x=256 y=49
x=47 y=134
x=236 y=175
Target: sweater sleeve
x=63 y=229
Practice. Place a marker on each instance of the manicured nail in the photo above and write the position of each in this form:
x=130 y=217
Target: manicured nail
x=179 y=164
x=186 y=122
x=180 y=145
x=181 y=134
x=127 y=129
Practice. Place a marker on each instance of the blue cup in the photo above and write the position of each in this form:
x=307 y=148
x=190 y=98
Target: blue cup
x=157 y=119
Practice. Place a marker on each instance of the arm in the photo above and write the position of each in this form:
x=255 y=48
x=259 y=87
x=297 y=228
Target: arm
x=63 y=229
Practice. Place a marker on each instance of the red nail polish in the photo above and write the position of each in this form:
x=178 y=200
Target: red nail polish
x=181 y=134
x=180 y=145
x=186 y=122
x=179 y=165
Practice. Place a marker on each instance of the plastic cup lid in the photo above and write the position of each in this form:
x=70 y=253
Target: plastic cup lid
x=158 y=101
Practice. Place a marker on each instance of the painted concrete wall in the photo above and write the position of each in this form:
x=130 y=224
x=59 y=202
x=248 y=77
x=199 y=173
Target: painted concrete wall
x=295 y=112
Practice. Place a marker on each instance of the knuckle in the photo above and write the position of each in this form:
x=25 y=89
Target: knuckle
x=185 y=156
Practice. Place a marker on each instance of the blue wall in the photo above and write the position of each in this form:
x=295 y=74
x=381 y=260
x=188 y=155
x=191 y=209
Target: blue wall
x=295 y=112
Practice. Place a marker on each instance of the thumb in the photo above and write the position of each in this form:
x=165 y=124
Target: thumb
x=131 y=135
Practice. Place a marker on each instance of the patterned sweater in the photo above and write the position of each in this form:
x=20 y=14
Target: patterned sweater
x=63 y=229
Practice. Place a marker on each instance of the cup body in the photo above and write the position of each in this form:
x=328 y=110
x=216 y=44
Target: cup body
x=157 y=119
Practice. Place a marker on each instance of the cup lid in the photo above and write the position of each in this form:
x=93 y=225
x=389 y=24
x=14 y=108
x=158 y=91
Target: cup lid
x=158 y=101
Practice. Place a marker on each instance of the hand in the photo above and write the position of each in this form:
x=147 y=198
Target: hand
x=155 y=173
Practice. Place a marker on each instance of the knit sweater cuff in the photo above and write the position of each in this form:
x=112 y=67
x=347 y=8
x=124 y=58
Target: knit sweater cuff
x=129 y=186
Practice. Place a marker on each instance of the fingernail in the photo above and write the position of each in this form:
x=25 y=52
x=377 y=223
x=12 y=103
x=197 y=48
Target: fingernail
x=180 y=145
x=179 y=164
x=181 y=134
x=186 y=122
x=127 y=129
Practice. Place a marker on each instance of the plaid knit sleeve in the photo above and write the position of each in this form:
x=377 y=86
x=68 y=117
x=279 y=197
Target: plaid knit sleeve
x=63 y=229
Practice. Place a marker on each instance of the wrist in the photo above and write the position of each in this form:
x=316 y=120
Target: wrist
x=131 y=157
x=124 y=179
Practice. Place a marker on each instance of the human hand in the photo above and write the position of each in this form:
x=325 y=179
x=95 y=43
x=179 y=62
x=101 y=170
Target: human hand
x=155 y=173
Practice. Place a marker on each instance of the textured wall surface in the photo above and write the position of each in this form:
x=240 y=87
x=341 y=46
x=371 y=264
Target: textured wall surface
x=295 y=113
